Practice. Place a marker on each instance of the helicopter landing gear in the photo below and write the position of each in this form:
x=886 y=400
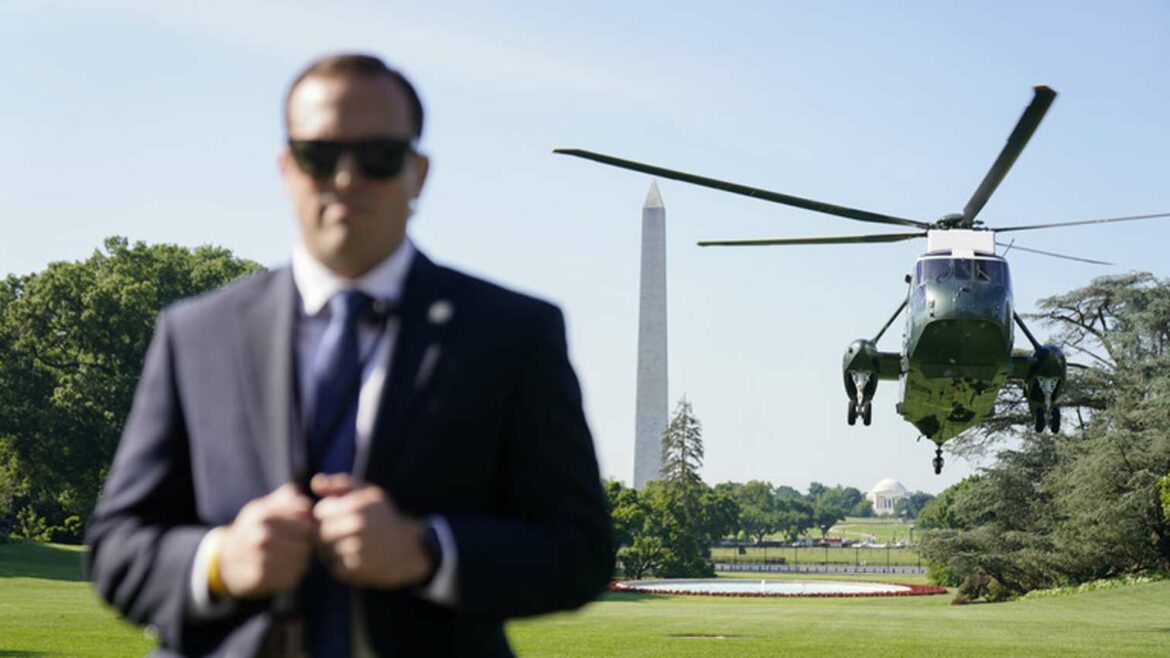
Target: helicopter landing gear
x=865 y=411
x=1049 y=414
x=937 y=462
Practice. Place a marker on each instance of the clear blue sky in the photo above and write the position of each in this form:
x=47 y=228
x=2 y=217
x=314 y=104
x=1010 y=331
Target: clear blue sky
x=159 y=121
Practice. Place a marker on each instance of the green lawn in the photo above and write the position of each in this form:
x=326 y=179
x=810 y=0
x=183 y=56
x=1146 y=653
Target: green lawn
x=883 y=530
x=1130 y=621
x=46 y=609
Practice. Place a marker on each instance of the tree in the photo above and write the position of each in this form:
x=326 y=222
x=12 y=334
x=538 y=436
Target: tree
x=757 y=513
x=940 y=514
x=785 y=492
x=831 y=504
x=1083 y=504
x=826 y=514
x=11 y=488
x=912 y=505
x=668 y=527
x=720 y=516
x=864 y=507
x=72 y=341
x=657 y=532
x=678 y=523
x=682 y=446
x=644 y=556
x=794 y=517
x=1165 y=485
x=625 y=512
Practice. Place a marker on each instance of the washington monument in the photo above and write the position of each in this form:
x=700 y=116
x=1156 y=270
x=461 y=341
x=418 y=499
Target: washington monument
x=652 y=395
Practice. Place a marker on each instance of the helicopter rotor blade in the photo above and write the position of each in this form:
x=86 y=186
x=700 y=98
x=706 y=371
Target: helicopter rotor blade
x=1041 y=100
x=1105 y=220
x=1013 y=245
x=839 y=239
x=754 y=192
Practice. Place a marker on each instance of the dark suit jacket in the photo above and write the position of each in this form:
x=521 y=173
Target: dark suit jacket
x=490 y=434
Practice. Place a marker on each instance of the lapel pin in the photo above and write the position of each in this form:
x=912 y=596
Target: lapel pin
x=440 y=312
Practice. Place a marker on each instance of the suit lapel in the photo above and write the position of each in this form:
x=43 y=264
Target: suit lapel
x=418 y=349
x=268 y=370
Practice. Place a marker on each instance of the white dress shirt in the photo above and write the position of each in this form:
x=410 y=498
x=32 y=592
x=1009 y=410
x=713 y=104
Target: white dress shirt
x=316 y=284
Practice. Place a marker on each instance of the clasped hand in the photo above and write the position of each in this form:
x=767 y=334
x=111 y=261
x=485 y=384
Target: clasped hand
x=355 y=528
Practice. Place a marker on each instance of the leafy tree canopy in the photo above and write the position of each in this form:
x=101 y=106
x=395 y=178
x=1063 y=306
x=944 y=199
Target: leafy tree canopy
x=72 y=341
x=1083 y=504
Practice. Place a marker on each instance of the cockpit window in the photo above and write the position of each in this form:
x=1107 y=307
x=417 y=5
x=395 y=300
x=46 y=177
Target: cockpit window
x=963 y=269
x=991 y=271
x=934 y=269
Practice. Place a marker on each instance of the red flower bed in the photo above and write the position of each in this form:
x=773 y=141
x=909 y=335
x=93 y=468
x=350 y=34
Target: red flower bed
x=615 y=585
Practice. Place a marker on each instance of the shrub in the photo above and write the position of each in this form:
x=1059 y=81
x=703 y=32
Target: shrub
x=982 y=586
x=30 y=527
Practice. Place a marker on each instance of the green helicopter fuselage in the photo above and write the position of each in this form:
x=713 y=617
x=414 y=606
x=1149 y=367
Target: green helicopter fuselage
x=957 y=344
x=956 y=351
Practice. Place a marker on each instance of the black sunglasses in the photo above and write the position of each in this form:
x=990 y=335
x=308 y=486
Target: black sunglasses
x=380 y=158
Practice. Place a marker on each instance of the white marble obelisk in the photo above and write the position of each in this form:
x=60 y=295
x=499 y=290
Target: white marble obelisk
x=652 y=395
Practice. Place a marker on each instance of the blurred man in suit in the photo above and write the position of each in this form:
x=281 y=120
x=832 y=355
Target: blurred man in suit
x=364 y=453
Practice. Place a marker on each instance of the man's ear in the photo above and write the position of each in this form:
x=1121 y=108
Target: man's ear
x=420 y=165
x=284 y=162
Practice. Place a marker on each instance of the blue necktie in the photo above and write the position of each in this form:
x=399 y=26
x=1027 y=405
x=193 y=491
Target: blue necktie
x=337 y=374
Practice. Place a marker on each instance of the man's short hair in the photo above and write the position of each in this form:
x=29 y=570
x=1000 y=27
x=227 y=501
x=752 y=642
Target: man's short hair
x=358 y=64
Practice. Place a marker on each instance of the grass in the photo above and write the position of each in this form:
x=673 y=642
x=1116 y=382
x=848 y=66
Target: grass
x=883 y=530
x=47 y=609
x=1129 y=621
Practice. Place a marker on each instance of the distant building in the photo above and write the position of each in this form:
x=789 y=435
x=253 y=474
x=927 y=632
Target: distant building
x=885 y=496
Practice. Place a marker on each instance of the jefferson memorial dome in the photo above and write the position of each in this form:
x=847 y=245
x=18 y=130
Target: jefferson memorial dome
x=885 y=495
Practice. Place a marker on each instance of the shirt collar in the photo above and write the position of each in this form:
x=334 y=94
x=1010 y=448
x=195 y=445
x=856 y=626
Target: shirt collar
x=317 y=283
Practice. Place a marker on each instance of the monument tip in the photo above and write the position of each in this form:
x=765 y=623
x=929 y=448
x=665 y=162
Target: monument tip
x=653 y=198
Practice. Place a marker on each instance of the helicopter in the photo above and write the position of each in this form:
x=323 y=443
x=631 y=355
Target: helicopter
x=957 y=350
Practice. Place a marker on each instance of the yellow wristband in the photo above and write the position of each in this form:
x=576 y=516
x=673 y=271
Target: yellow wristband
x=214 y=581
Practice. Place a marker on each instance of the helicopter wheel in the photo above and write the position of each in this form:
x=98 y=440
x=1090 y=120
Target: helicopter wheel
x=937 y=462
x=1041 y=421
x=1054 y=420
x=867 y=413
x=852 y=415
